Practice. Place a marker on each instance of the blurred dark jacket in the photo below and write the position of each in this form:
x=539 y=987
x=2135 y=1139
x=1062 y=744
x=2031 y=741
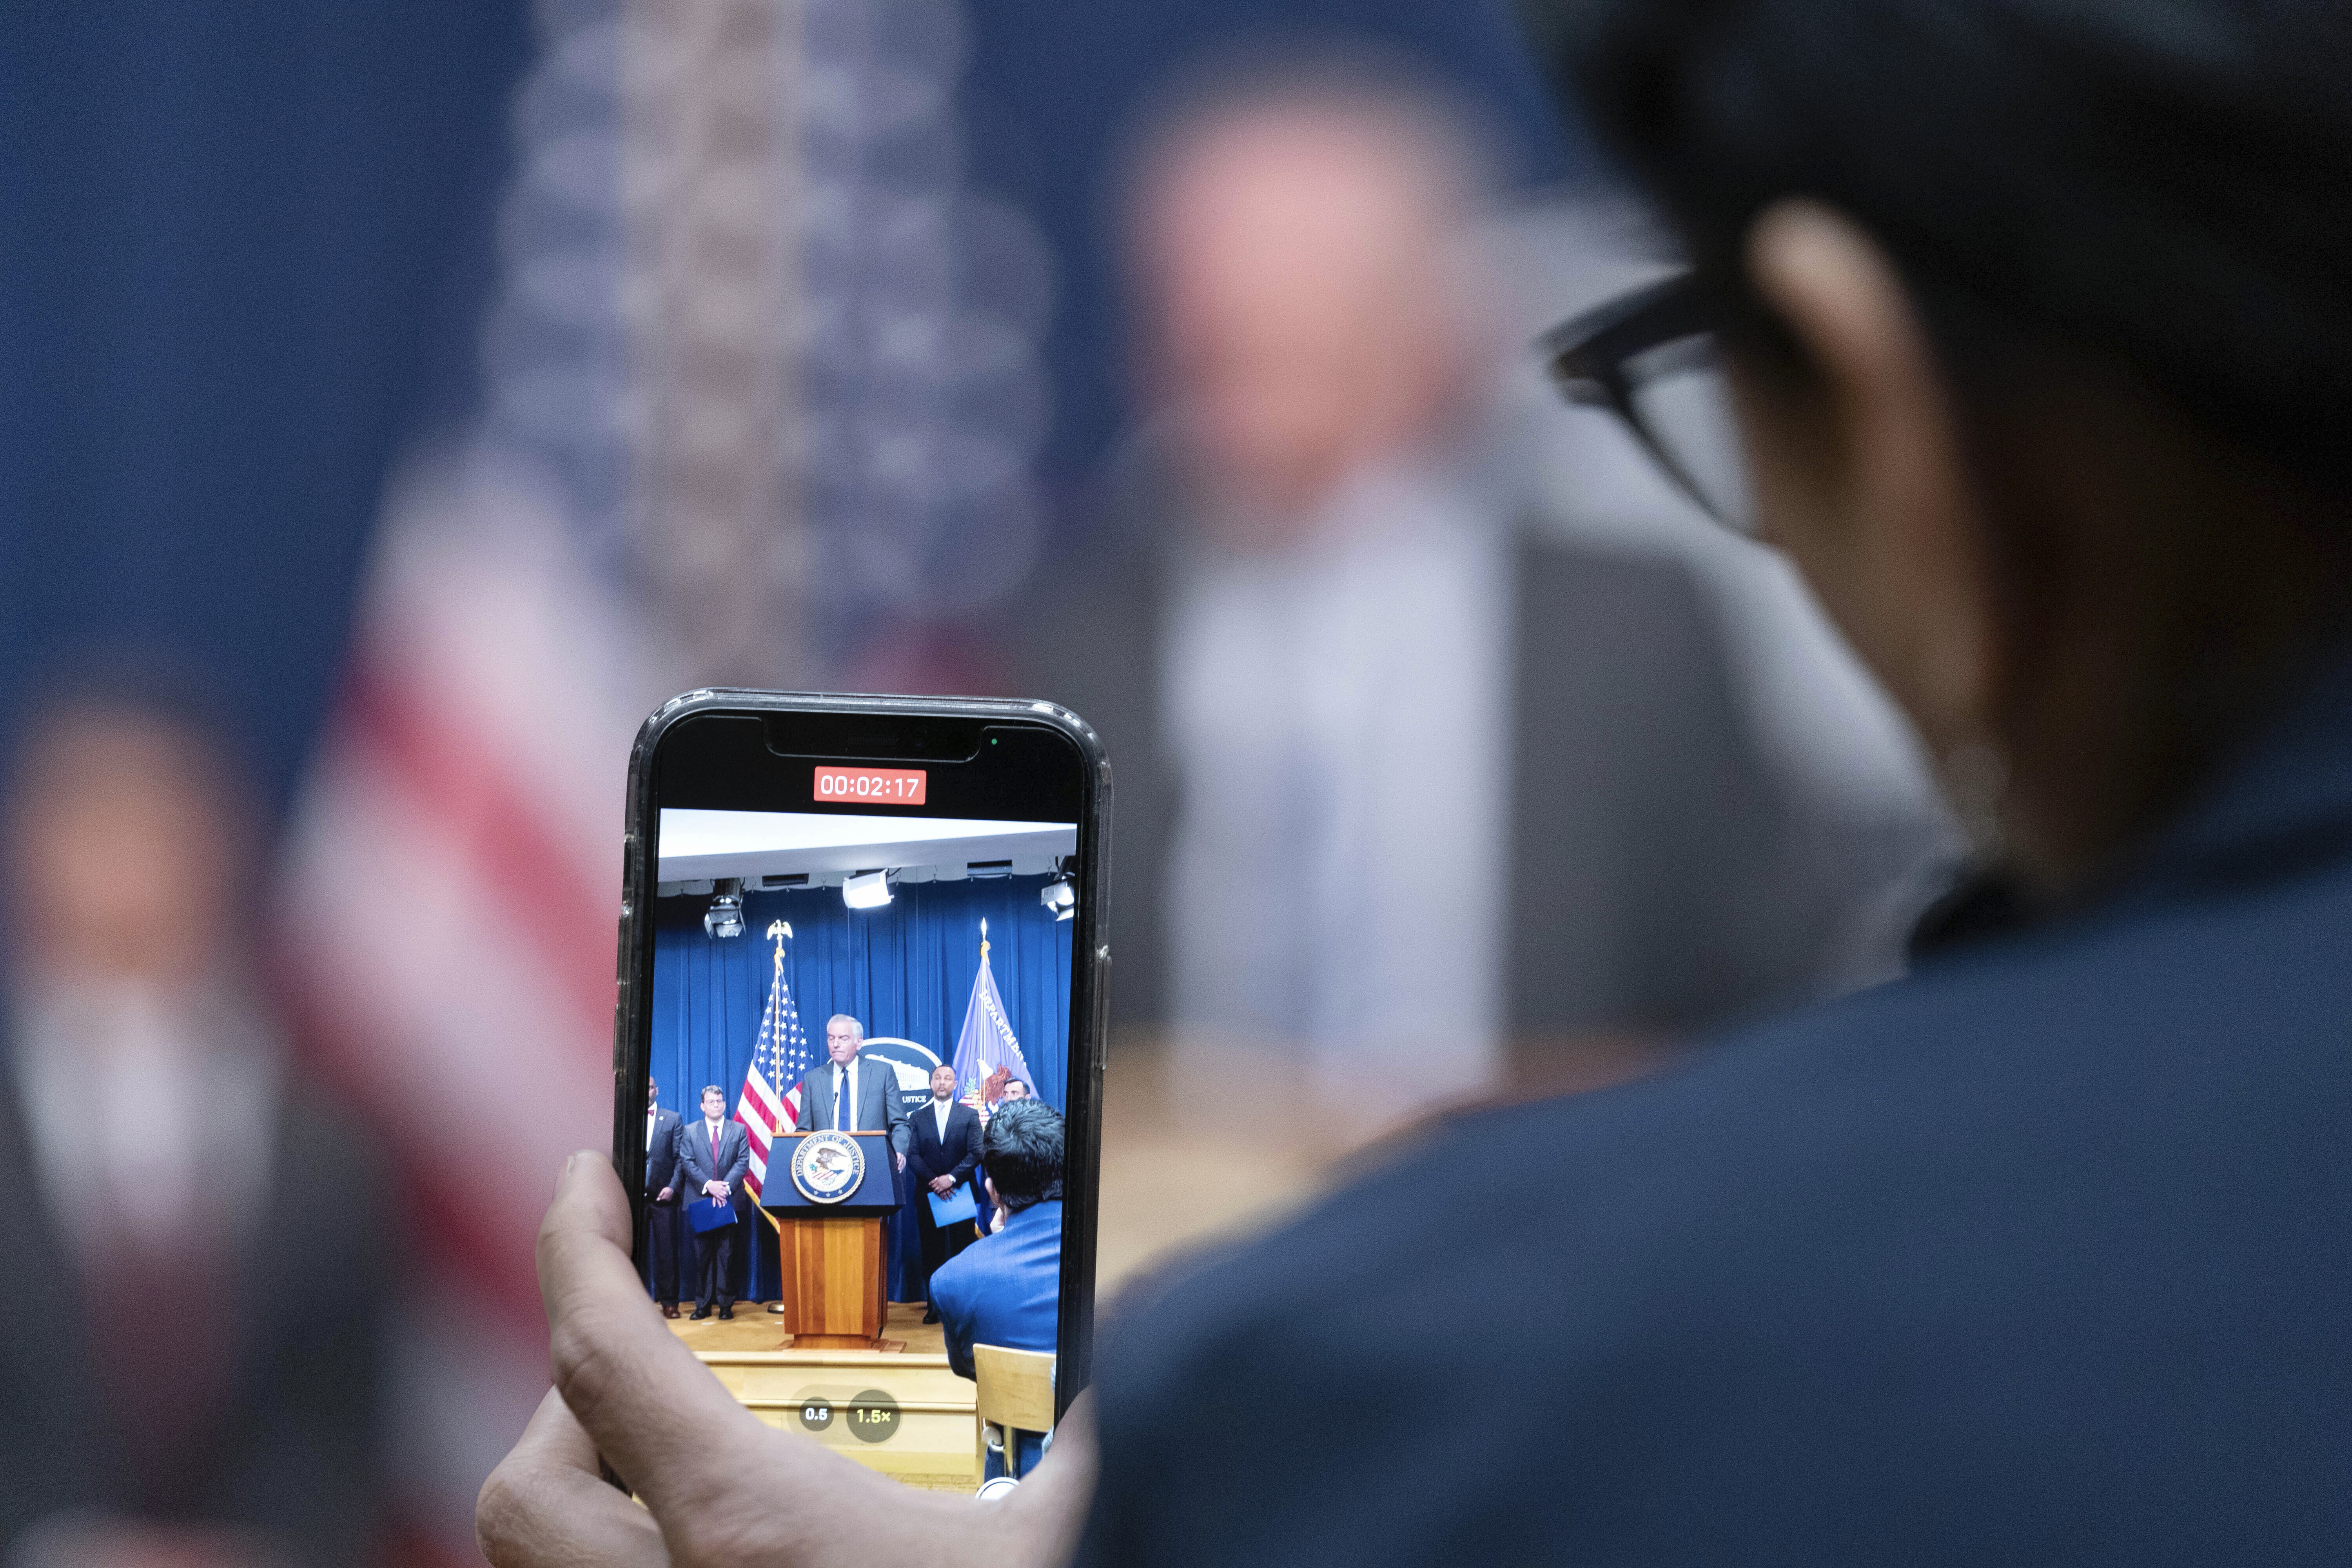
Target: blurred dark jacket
x=1663 y=875
x=297 y=1452
x=2043 y=1255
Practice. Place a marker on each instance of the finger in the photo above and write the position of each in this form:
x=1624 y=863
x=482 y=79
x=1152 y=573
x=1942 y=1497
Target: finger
x=649 y=1406
x=545 y=1503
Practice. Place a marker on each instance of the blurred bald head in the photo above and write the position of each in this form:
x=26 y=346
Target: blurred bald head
x=1300 y=252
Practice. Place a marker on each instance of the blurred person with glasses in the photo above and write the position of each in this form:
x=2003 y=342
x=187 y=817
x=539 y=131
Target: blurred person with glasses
x=2037 y=333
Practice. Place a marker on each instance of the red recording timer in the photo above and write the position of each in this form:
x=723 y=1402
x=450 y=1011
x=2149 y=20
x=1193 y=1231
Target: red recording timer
x=872 y=786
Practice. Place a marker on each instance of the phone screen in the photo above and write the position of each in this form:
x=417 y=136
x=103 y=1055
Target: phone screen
x=862 y=988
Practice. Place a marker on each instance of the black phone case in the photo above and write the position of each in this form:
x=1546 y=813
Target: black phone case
x=1089 y=971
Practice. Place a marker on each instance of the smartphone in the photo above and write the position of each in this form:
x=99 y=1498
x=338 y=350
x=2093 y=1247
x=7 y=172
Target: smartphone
x=857 y=932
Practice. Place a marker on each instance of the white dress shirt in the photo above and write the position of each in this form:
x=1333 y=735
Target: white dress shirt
x=189 y=1082
x=1338 y=712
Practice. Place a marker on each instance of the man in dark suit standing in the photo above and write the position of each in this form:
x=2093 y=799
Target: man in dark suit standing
x=851 y=1094
x=661 y=1199
x=713 y=1156
x=946 y=1151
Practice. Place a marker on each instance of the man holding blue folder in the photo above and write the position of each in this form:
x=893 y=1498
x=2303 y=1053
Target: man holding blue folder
x=714 y=1153
x=946 y=1148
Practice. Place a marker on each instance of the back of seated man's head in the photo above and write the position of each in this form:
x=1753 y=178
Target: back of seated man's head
x=1022 y=1152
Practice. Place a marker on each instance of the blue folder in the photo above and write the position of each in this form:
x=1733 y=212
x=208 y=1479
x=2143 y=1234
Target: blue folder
x=710 y=1214
x=956 y=1206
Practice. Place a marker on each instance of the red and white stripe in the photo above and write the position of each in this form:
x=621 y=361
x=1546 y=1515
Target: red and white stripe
x=764 y=1116
x=446 y=933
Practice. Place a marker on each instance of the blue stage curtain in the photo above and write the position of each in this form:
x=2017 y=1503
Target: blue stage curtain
x=903 y=970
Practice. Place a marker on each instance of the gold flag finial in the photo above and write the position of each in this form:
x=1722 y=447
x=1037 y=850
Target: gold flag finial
x=780 y=930
x=983 y=938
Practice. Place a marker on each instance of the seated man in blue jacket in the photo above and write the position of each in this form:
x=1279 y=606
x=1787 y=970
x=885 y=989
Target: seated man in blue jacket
x=1005 y=1289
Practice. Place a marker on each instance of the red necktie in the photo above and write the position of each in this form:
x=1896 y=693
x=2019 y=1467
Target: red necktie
x=714 y=1151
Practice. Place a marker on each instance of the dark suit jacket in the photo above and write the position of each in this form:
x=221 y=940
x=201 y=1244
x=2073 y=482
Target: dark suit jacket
x=1663 y=874
x=695 y=1165
x=661 y=1153
x=298 y=1456
x=929 y=1157
x=880 y=1105
x=2039 y=1256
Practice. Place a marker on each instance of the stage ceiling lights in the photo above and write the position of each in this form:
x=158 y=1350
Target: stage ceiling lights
x=725 y=917
x=866 y=890
x=1060 y=896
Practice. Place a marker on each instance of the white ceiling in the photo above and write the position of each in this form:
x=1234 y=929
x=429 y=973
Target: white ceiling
x=697 y=846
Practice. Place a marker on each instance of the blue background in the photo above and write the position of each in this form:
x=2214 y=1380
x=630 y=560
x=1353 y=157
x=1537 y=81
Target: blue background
x=904 y=969
x=241 y=250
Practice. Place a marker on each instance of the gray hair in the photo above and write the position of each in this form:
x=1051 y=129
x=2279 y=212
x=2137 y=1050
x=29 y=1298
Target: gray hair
x=710 y=1088
x=856 y=1027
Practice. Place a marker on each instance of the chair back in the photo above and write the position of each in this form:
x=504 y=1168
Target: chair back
x=1015 y=1393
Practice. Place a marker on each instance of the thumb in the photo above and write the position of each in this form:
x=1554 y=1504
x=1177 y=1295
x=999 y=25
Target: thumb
x=633 y=1386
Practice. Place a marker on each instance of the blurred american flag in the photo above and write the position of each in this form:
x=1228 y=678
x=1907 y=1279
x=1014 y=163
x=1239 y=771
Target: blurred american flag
x=447 y=926
x=452 y=880
x=695 y=399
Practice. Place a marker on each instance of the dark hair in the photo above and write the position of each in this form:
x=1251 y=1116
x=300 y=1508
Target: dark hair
x=1023 y=1151
x=2159 y=183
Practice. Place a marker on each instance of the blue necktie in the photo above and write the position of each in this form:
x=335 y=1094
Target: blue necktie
x=840 y=1084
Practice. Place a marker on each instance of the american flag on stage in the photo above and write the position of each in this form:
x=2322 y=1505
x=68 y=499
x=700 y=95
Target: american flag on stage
x=780 y=1055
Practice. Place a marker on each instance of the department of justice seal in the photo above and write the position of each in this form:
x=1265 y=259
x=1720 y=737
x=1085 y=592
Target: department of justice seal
x=827 y=1167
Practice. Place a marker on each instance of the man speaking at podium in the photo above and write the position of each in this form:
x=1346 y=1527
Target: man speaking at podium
x=848 y=1095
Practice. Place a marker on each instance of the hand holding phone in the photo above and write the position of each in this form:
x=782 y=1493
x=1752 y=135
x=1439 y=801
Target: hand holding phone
x=863 y=939
x=648 y=1414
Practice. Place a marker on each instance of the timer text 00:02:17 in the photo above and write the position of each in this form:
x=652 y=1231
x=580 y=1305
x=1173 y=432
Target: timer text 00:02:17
x=881 y=787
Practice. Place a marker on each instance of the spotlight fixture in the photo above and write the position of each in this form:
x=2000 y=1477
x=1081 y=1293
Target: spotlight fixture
x=866 y=890
x=724 y=919
x=1060 y=896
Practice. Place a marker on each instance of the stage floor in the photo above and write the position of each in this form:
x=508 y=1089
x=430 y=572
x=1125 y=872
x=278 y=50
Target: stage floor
x=900 y=1412
x=754 y=1327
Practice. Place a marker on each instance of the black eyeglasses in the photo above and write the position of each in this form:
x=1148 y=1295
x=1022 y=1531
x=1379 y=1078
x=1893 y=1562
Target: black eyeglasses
x=1650 y=358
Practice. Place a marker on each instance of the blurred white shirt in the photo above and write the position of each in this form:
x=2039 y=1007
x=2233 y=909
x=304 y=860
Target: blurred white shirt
x=150 y=1114
x=1337 y=713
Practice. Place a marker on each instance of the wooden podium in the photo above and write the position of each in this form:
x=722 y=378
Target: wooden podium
x=835 y=1278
